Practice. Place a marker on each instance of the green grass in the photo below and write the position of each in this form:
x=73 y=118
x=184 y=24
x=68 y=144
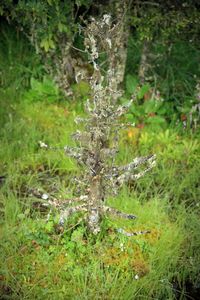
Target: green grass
x=18 y=61
x=38 y=262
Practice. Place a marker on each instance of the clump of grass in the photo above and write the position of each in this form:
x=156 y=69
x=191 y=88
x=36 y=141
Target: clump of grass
x=36 y=261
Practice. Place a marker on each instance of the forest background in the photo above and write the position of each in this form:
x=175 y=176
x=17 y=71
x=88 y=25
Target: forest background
x=43 y=88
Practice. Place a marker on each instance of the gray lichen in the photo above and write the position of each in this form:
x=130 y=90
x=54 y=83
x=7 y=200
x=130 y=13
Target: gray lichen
x=101 y=175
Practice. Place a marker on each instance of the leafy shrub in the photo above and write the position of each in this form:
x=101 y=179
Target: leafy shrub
x=149 y=109
x=45 y=90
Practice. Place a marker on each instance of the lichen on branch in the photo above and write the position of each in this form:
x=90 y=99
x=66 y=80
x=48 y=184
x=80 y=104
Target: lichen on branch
x=97 y=141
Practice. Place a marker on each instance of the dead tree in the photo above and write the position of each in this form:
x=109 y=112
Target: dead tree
x=98 y=142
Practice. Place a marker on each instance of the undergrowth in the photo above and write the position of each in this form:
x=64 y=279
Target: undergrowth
x=38 y=260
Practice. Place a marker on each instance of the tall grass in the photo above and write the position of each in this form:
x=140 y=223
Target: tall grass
x=18 y=61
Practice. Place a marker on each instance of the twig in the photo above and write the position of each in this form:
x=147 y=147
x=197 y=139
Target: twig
x=118 y=213
x=120 y=230
x=80 y=50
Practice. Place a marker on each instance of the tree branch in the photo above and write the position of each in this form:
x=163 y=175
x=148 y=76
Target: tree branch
x=120 y=230
x=67 y=212
x=117 y=213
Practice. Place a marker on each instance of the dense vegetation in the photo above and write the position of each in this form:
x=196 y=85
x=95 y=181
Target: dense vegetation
x=37 y=258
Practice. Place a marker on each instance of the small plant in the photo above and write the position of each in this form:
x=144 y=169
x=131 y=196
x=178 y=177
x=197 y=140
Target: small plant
x=150 y=110
x=45 y=90
x=98 y=143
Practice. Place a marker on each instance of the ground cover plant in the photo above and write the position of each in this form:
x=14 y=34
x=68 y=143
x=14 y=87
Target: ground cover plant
x=38 y=258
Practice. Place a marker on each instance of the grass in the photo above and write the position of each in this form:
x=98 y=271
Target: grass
x=43 y=263
x=17 y=59
x=37 y=261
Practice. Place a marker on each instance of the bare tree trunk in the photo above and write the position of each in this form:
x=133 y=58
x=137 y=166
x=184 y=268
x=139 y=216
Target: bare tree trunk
x=121 y=40
x=95 y=204
x=144 y=62
x=61 y=68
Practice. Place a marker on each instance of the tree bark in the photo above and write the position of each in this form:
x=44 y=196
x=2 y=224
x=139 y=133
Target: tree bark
x=144 y=64
x=95 y=204
x=120 y=14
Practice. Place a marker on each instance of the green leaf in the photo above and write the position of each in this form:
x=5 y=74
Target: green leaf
x=42 y=90
x=150 y=106
x=143 y=90
x=49 y=226
x=156 y=120
x=35 y=84
x=77 y=235
x=131 y=83
x=51 y=44
x=137 y=110
x=162 y=110
x=130 y=117
x=60 y=27
x=45 y=44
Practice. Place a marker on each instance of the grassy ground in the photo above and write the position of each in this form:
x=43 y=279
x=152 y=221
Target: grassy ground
x=38 y=262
